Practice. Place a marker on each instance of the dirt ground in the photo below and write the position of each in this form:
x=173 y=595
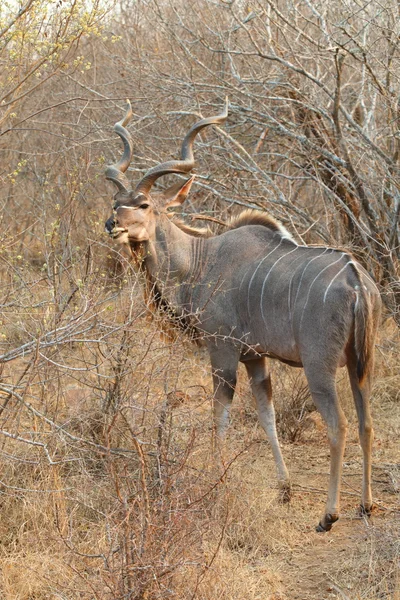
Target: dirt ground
x=360 y=557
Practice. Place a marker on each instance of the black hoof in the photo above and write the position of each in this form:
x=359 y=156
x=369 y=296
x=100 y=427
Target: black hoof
x=327 y=524
x=285 y=493
x=321 y=529
x=365 y=511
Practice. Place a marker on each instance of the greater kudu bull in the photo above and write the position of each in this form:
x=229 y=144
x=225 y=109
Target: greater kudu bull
x=251 y=293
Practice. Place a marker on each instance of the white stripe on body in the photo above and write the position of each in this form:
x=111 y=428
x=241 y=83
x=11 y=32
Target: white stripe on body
x=333 y=278
x=247 y=272
x=254 y=274
x=305 y=269
x=268 y=274
x=290 y=288
x=315 y=279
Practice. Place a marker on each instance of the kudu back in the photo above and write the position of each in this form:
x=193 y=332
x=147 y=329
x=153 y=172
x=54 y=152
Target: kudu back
x=252 y=293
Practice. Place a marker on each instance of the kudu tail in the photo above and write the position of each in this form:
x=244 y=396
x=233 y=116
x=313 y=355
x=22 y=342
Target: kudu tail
x=363 y=333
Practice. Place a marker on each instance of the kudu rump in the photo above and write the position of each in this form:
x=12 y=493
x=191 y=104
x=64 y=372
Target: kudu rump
x=252 y=293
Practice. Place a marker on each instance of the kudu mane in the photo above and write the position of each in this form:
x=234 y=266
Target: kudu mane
x=255 y=217
x=246 y=217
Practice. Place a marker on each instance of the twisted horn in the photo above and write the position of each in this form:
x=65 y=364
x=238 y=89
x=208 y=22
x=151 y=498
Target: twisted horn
x=186 y=164
x=116 y=172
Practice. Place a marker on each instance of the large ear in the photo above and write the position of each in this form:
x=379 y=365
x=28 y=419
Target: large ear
x=177 y=193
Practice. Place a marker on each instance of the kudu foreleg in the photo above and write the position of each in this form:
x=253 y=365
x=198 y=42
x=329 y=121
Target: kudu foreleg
x=323 y=391
x=224 y=373
x=224 y=381
x=260 y=381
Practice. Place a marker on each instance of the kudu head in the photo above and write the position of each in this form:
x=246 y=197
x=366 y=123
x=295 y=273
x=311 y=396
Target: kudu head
x=134 y=211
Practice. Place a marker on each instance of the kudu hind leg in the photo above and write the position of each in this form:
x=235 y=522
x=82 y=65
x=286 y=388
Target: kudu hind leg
x=323 y=391
x=260 y=381
x=361 y=395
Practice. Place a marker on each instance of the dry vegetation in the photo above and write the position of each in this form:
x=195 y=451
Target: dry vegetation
x=108 y=489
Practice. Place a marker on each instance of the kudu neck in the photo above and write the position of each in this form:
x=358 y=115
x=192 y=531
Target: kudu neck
x=169 y=255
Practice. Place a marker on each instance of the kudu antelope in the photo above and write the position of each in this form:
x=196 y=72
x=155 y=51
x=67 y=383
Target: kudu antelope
x=253 y=293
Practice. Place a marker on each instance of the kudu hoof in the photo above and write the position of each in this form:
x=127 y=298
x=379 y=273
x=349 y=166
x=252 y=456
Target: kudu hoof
x=326 y=523
x=365 y=511
x=285 y=493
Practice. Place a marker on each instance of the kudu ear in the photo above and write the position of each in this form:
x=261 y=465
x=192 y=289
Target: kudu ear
x=177 y=193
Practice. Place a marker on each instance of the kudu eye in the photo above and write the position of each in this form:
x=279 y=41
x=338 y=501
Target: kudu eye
x=144 y=205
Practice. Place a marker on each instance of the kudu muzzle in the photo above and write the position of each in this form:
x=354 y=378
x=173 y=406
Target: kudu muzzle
x=109 y=225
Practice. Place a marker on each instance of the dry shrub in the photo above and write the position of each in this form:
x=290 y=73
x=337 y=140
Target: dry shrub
x=111 y=473
x=293 y=403
x=35 y=575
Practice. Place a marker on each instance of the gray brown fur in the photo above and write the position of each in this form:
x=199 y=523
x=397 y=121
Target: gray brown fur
x=252 y=293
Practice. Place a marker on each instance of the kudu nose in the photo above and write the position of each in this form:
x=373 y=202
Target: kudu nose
x=110 y=224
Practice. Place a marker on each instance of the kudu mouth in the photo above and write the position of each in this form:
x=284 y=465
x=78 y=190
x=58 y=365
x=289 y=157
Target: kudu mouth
x=111 y=228
x=117 y=232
